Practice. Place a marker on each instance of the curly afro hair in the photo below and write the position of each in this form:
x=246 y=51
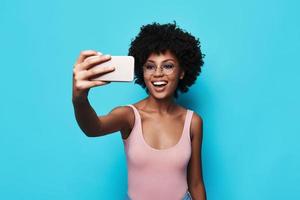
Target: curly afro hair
x=158 y=38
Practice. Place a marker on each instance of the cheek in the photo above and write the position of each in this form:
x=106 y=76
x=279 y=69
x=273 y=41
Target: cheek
x=147 y=81
x=174 y=80
x=173 y=83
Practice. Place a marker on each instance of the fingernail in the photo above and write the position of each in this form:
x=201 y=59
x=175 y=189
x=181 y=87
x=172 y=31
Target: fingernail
x=107 y=56
x=99 y=53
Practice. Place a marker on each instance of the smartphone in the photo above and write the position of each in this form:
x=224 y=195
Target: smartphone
x=124 y=69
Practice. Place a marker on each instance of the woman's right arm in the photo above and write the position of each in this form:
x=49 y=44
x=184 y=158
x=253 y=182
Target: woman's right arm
x=86 y=117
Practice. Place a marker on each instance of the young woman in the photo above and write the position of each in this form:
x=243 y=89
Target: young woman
x=162 y=139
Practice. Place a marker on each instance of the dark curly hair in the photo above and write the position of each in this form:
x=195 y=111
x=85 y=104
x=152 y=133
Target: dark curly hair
x=158 y=38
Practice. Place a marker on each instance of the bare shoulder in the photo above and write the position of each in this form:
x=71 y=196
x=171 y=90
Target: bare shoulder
x=118 y=119
x=196 y=125
x=127 y=114
x=121 y=110
x=130 y=116
x=197 y=118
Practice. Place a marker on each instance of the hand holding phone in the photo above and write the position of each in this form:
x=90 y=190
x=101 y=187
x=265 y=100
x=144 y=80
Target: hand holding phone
x=83 y=71
x=94 y=69
x=124 y=69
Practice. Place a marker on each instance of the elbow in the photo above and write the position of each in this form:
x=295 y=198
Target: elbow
x=90 y=133
x=93 y=134
x=198 y=191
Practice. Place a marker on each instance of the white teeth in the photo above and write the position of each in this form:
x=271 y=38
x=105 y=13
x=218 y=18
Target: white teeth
x=159 y=82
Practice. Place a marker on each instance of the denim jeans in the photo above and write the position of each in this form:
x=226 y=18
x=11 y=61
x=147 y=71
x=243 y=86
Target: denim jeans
x=186 y=196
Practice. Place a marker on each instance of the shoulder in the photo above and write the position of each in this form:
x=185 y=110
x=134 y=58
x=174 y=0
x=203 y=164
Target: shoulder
x=122 y=110
x=125 y=112
x=196 y=118
x=196 y=125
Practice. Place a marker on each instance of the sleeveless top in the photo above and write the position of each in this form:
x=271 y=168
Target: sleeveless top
x=158 y=174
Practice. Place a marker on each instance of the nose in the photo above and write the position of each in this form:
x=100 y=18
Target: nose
x=158 y=72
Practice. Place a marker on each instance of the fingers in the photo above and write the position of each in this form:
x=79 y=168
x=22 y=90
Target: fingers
x=84 y=54
x=92 y=61
x=93 y=72
x=83 y=85
x=84 y=70
x=98 y=83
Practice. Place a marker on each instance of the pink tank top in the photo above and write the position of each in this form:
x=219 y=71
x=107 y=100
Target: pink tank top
x=158 y=174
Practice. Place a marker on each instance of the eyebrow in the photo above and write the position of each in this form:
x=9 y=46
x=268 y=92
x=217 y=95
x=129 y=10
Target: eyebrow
x=163 y=60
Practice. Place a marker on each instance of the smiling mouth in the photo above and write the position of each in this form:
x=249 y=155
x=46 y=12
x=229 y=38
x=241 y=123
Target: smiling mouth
x=159 y=84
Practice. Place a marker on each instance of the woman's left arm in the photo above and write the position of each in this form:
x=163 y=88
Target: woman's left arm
x=194 y=169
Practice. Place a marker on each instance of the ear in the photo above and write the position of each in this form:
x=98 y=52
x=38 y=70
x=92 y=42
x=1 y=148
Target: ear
x=182 y=74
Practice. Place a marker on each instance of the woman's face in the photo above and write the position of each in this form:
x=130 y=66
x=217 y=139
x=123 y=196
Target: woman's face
x=161 y=74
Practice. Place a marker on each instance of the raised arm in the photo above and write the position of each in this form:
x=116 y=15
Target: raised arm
x=86 y=117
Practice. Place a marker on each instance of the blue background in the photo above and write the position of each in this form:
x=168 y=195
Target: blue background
x=247 y=94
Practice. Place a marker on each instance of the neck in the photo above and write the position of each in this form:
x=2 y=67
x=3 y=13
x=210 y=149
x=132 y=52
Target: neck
x=166 y=105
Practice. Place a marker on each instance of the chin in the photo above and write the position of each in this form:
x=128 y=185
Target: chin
x=160 y=93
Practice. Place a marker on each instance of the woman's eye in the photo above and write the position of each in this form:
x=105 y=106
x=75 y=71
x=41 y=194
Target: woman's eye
x=150 y=67
x=168 y=66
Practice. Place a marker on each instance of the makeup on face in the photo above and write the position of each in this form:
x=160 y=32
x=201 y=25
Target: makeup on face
x=160 y=73
x=167 y=67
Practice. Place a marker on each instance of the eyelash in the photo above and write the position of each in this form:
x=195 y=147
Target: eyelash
x=169 y=65
x=150 y=65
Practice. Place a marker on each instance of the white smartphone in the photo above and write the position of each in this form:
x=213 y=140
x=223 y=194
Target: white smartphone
x=124 y=69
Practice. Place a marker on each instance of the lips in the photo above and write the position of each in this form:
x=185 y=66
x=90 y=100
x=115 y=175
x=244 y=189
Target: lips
x=159 y=83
